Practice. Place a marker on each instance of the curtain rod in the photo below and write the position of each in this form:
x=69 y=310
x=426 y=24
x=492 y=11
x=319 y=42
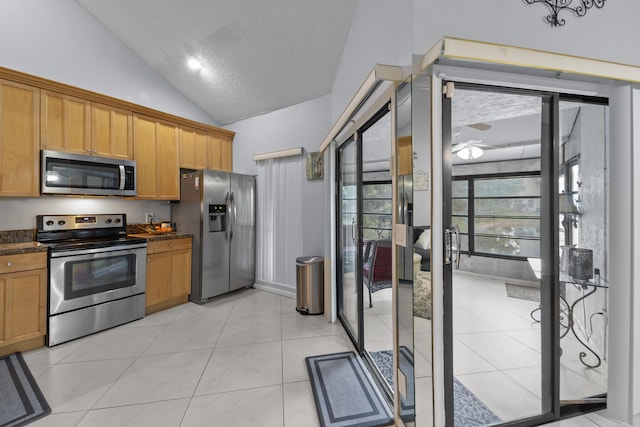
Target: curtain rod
x=277 y=154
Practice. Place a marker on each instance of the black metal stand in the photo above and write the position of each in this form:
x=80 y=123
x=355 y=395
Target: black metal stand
x=570 y=324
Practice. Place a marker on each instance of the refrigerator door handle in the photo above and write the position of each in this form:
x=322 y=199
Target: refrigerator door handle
x=228 y=225
x=235 y=214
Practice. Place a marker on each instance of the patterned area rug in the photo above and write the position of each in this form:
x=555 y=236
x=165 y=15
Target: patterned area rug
x=384 y=361
x=530 y=293
x=469 y=411
x=344 y=393
x=378 y=286
x=422 y=294
x=21 y=401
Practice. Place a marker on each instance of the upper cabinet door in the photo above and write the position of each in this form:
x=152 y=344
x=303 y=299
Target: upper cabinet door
x=221 y=156
x=19 y=140
x=144 y=150
x=194 y=149
x=167 y=153
x=111 y=132
x=65 y=123
x=156 y=154
x=226 y=156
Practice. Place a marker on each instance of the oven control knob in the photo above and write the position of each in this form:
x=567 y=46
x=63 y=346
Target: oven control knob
x=49 y=222
x=108 y=220
x=117 y=220
x=62 y=222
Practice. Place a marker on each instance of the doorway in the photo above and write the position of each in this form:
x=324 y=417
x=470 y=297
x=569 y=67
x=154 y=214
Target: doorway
x=365 y=230
x=514 y=205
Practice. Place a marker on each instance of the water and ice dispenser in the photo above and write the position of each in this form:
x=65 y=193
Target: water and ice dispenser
x=217 y=218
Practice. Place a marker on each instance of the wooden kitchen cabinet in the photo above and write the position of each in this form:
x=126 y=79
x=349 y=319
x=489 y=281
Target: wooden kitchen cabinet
x=195 y=149
x=203 y=150
x=405 y=155
x=168 y=273
x=23 y=301
x=111 y=132
x=19 y=140
x=155 y=149
x=222 y=153
x=65 y=123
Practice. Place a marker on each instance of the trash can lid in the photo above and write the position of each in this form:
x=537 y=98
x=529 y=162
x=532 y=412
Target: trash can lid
x=309 y=260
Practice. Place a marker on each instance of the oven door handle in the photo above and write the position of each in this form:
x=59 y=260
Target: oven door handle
x=106 y=249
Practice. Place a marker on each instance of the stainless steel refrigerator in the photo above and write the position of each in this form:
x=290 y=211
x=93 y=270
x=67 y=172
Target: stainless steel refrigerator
x=218 y=209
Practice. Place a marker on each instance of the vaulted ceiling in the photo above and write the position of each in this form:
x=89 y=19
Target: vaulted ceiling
x=255 y=56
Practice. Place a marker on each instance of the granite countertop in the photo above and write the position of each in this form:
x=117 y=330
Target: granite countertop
x=163 y=236
x=22 y=248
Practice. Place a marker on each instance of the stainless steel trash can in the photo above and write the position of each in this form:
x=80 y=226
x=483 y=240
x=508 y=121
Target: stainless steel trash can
x=310 y=285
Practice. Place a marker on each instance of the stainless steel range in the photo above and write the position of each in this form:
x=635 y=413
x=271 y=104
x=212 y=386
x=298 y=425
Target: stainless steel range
x=97 y=274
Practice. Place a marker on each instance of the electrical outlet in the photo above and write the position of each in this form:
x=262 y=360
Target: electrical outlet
x=148 y=217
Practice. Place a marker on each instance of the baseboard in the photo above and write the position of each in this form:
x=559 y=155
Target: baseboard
x=276 y=288
x=501 y=278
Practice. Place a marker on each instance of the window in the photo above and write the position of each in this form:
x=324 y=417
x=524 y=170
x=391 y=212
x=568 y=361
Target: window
x=376 y=209
x=569 y=182
x=498 y=215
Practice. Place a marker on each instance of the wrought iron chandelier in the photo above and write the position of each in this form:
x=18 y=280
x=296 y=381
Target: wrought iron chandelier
x=578 y=7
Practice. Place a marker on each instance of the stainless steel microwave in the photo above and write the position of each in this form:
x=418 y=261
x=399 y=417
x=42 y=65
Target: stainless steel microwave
x=65 y=173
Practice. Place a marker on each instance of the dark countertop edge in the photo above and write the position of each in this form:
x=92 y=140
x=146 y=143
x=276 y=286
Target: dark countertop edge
x=22 y=248
x=167 y=236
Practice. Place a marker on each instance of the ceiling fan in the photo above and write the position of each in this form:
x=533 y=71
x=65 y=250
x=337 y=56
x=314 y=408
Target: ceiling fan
x=471 y=149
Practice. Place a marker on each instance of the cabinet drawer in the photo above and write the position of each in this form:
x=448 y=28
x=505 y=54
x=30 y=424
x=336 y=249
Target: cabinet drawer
x=22 y=262
x=168 y=245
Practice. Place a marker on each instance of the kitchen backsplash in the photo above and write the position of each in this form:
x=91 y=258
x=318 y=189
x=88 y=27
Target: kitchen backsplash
x=20 y=214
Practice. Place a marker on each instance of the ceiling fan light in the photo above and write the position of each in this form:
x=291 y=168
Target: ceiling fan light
x=470 y=152
x=194 y=64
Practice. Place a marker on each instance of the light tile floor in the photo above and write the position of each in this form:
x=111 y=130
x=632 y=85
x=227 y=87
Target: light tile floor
x=238 y=360
x=235 y=361
x=497 y=351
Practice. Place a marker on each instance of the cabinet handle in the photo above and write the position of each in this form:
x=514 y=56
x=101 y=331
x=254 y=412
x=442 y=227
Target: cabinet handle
x=9 y=263
x=148 y=259
x=170 y=245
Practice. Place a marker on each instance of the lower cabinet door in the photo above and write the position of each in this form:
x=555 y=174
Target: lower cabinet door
x=158 y=278
x=23 y=301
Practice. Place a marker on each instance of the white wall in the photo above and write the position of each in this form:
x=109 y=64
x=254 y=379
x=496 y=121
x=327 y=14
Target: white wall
x=20 y=214
x=610 y=33
x=380 y=34
x=59 y=41
x=303 y=125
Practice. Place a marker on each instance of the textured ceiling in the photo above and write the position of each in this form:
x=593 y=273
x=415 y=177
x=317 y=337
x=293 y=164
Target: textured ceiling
x=257 y=56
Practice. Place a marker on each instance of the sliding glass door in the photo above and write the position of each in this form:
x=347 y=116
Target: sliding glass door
x=365 y=204
x=525 y=266
x=498 y=185
x=349 y=206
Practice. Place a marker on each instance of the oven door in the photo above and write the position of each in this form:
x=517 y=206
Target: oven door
x=83 y=278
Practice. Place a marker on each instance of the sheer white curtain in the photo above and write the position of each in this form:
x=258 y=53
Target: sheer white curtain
x=279 y=220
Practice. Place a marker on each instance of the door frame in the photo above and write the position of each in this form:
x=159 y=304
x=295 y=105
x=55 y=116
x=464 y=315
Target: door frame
x=357 y=335
x=549 y=301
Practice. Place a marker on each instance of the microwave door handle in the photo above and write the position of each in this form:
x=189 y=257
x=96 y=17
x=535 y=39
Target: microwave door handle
x=122 y=177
